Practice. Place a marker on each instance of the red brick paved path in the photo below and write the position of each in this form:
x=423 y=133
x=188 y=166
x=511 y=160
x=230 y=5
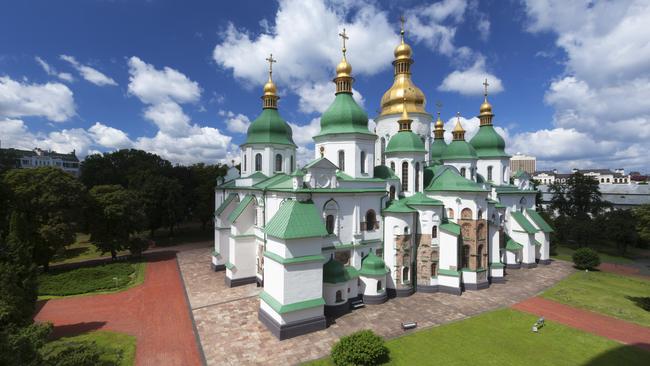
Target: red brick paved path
x=588 y=321
x=156 y=312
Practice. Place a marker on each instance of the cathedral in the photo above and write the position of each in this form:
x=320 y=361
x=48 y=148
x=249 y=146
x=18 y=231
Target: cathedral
x=376 y=214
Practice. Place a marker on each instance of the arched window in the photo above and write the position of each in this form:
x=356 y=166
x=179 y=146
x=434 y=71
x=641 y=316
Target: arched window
x=465 y=262
x=339 y=296
x=363 y=162
x=466 y=214
x=371 y=220
x=489 y=174
x=405 y=176
x=417 y=177
x=329 y=224
x=405 y=275
x=479 y=257
x=479 y=214
x=450 y=213
x=434 y=269
x=291 y=167
x=258 y=162
x=392 y=193
x=278 y=163
x=379 y=286
x=382 y=148
x=341 y=159
x=406 y=230
x=462 y=172
x=434 y=231
x=392 y=166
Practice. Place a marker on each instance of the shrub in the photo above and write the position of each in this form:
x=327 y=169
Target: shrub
x=586 y=258
x=85 y=279
x=360 y=348
x=137 y=245
x=71 y=354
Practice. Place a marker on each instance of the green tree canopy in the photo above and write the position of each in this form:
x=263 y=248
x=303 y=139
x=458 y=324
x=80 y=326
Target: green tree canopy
x=119 y=167
x=579 y=196
x=642 y=215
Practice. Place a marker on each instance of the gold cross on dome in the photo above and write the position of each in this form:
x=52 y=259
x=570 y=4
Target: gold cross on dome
x=485 y=84
x=402 y=21
x=271 y=60
x=345 y=37
x=458 y=116
x=439 y=106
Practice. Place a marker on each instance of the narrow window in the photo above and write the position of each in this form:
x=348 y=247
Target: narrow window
x=329 y=224
x=245 y=165
x=434 y=269
x=417 y=177
x=292 y=168
x=392 y=193
x=378 y=286
x=363 y=162
x=371 y=220
x=278 y=163
x=434 y=231
x=489 y=174
x=339 y=296
x=405 y=275
x=465 y=263
x=392 y=166
x=382 y=149
x=479 y=257
x=341 y=160
x=258 y=162
x=462 y=172
x=405 y=176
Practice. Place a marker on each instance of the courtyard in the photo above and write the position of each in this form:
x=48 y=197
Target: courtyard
x=230 y=333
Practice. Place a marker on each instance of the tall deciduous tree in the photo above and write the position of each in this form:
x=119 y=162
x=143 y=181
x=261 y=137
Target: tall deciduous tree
x=119 y=167
x=642 y=215
x=52 y=202
x=206 y=178
x=619 y=227
x=7 y=160
x=114 y=214
x=578 y=196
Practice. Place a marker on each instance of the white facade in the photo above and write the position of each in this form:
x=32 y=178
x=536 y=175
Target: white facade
x=387 y=127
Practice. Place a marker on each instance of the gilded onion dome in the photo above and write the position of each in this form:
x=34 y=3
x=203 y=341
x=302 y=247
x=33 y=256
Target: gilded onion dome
x=438 y=145
x=403 y=91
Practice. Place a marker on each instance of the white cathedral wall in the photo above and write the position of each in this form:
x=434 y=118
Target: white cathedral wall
x=268 y=152
x=457 y=201
x=411 y=159
x=468 y=164
x=498 y=170
x=448 y=254
x=543 y=238
x=329 y=292
x=273 y=279
x=429 y=217
x=352 y=146
x=293 y=316
x=394 y=224
x=387 y=127
x=302 y=282
x=369 y=285
x=242 y=254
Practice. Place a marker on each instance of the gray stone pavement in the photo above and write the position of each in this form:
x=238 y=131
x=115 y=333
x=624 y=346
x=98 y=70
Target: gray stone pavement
x=230 y=333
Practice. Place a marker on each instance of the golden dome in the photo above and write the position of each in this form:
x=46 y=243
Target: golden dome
x=403 y=51
x=343 y=69
x=486 y=107
x=439 y=124
x=270 y=88
x=458 y=127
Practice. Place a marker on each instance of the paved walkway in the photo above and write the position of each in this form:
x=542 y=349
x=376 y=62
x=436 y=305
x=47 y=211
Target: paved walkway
x=625 y=270
x=155 y=312
x=588 y=321
x=231 y=334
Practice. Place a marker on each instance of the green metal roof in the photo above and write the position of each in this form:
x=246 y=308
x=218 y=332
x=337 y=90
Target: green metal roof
x=420 y=199
x=450 y=227
x=512 y=245
x=437 y=148
x=523 y=222
x=372 y=265
x=488 y=143
x=341 y=175
x=405 y=141
x=296 y=219
x=298 y=173
x=351 y=272
x=459 y=149
x=539 y=220
x=225 y=204
x=334 y=272
x=274 y=181
x=447 y=179
x=384 y=172
x=257 y=175
x=269 y=128
x=316 y=161
x=344 y=116
x=240 y=208
x=399 y=206
x=536 y=243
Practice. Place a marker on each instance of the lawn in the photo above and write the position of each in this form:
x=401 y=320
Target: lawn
x=619 y=296
x=118 y=349
x=565 y=253
x=504 y=337
x=81 y=250
x=106 y=278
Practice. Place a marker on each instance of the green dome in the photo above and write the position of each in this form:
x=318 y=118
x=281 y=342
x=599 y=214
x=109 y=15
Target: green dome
x=437 y=149
x=269 y=128
x=405 y=141
x=372 y=265
x=488 y=143
x=344 y=116
x=384 y=172
x=459 y=149
x=334 y=272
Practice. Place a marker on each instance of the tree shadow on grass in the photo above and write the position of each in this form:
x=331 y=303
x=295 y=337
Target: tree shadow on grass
x=628 y=355
x=642 y=302
x=75 y=329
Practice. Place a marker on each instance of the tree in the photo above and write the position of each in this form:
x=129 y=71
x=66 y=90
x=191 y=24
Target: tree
x=162 y=200
x=642 y=215
x=579 y=196
x=7 y=160
x=119 y=167
x=114 y=214
x=206 y=178
x=52 y=202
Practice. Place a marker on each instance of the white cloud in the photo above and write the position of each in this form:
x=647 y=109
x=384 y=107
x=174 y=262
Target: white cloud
x=88 y=73
x=109 y=137
x=236 y=122
x=471 y=125
x=317 y=97
x=53 y=101
x=169 y=117
x=52 y=72
x=470 y=81
x=435 y=25
x=154 y=86
x=15 y=134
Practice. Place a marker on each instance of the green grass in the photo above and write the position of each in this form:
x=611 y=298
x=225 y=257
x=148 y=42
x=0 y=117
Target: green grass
x=565 y=253
x=90 y=280
x=118 y=349
x=503 y=338
x=606 y=293
x=81 y=250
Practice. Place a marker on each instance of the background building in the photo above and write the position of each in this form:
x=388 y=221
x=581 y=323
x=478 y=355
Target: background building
x=523 y=162
x=26 y=159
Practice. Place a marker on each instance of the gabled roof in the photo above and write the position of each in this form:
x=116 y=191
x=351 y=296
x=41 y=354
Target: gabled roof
x=341 y=175
x=447 y=179
x=273 y=181
x=296 y=220
x=512 y=245
x=320 y=161
x=420 y=199
x=231 y=197
x=257 y=175
x=539 y=220
x=523 y=222
x=399 y=206
x=241 y=207
x=450 y=227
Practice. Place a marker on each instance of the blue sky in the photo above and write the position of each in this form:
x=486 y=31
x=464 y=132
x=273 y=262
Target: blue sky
x=183 y=78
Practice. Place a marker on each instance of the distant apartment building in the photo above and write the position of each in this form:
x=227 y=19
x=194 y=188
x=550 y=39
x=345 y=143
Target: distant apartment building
x=522 y=162
x=26 y=159
x=603 y=176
